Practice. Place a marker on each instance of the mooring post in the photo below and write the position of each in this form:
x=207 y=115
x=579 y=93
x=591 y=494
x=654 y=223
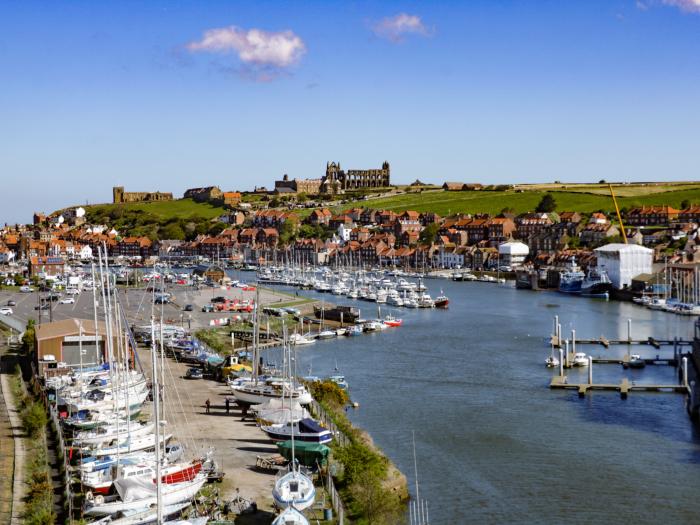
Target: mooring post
x=556 y=324
x=573 y=341
x=566 y=343
x=559 y=332
x=590 y=370
x=675 y=351
x=561 y=362
x=685 y=372
x=629 y=330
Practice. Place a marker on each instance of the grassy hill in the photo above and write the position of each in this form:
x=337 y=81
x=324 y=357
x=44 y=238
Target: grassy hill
x=180 y=219
x=448 y=202
x=161 y=210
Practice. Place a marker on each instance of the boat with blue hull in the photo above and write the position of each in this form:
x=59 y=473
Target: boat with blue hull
x=571 y=279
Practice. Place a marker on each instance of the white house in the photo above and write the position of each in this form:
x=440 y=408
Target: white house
x=344 y=233
x=513 y=253
x=6 y=255
x=85 y=253
x=450 y=257
x=622 y=262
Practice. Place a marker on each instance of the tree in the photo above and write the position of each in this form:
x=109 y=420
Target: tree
x=287 y=233
x=427 y=236
x=172 y=231
x=547 y=204
x=685 y=204
x=302 y=197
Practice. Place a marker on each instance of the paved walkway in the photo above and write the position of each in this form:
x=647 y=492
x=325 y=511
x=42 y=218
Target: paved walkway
x=11 y=427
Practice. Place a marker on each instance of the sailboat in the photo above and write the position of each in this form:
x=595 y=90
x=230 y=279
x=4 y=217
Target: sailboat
x=290 y=516
x=294 y=489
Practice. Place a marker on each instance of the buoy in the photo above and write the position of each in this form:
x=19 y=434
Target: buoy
x=355 y=404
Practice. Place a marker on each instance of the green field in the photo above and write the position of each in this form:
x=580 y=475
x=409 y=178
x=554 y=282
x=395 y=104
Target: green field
x=186 y=208
x=447 y=202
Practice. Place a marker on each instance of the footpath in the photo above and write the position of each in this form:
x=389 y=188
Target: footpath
x=12 y=448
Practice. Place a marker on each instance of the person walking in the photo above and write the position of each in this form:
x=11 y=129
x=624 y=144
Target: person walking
x=228 y=402
x=207 y=404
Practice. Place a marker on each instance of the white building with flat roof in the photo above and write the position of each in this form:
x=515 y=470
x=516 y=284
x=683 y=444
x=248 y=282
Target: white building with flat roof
x=513 y=253
x=622 y=262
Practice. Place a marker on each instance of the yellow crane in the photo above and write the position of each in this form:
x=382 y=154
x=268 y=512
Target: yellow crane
x=619 y=217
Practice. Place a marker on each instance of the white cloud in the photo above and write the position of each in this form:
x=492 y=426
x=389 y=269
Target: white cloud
x=690 y=6
x=394 y=28
x=254 y=47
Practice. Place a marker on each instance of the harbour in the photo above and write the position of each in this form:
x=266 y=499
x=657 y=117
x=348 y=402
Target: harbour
x=494 y=442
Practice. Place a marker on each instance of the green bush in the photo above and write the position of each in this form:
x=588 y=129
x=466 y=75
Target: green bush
x=34 y=419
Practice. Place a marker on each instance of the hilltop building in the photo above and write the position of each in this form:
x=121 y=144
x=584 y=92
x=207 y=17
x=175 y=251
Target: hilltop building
x=120 y=196
x=207 y=194
x=310 y=186
x=337 y=180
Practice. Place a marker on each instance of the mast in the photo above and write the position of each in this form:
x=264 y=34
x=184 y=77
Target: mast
x=156 y=408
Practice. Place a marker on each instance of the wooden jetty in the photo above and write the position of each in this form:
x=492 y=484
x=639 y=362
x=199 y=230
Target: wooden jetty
x=624 y=387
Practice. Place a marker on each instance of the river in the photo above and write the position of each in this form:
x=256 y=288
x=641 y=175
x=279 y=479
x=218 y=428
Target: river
x=494 y=444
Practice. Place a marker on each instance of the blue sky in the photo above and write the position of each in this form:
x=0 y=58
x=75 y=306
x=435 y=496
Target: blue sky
x=169 y=95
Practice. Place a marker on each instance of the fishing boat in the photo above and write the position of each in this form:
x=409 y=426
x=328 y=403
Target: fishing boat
x=304 y=430
x=442 y=301
x=596 y=284
x=571 y=279
x=390 y=320
x=346 y=314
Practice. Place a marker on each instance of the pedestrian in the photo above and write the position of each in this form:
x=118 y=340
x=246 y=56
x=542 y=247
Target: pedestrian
x=228 y=402
x=207 y=404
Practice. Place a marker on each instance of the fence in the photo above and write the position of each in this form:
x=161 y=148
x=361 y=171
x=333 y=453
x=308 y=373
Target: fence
x=327 y=421
x=336 y=502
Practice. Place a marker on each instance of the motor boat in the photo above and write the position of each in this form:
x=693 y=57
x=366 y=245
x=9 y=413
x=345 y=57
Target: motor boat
x=339 y=380
x=636 y=361
x=300 y=340
x=326 y=334
x=551 y=362
x=100 y=481
x=580 y=359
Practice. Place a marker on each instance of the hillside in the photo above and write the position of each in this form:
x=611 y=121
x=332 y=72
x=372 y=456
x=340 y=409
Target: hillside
x=179 y=219
x=446 y=202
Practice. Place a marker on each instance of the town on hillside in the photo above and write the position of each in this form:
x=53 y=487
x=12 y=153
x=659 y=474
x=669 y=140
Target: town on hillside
x=291 y=224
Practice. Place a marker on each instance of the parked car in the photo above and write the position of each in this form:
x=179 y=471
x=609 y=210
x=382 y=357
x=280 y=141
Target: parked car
x=53 y=297
x=67 y=300
x=188 y=308
x=43 y=306
x=11 y=303
x=73 y=291
x=194 y=373
x=161 y=299
x=26 y=289
x=6 y=310
x=219 y=299
x=208 y=308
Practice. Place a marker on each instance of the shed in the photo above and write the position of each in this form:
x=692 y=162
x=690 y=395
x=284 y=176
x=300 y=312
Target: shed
x=213 y=272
